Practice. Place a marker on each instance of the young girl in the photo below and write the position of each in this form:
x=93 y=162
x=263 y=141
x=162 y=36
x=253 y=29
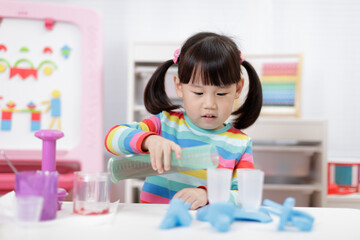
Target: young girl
x=209 y=80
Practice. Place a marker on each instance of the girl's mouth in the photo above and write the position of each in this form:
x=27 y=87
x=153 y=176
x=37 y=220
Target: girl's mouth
x=209 y=116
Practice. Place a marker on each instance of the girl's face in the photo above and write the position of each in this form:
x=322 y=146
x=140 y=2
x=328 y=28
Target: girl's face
x=208 y=107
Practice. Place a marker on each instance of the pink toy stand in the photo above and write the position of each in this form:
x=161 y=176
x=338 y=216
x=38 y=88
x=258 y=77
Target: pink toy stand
x=86 y=154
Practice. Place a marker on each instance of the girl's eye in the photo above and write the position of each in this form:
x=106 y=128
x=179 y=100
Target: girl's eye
x=221 y=94
x=198 y=93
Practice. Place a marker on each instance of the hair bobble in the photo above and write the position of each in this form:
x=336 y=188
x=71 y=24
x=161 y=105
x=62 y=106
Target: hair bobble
x=176 y=55
x=241 y=59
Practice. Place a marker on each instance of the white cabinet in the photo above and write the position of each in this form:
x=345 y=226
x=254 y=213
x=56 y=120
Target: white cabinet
x=291 y=151
x=293 y=154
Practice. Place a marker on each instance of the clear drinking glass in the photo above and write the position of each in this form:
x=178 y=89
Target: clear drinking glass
x=91 y=193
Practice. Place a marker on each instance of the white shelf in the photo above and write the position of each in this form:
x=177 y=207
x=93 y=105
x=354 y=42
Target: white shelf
x=345 y=197
x=309 y=188
x=344 y=201
x=278 y=148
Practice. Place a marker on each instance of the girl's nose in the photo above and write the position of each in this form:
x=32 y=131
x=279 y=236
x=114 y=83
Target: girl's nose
x=210 y=102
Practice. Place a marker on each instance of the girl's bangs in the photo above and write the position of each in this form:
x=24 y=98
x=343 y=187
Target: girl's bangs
x=220 y=71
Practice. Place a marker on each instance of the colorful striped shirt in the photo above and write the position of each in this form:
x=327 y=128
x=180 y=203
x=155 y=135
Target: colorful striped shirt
x=234 y=148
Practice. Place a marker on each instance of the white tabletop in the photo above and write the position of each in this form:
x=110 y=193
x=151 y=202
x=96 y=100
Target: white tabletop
x=142 y=221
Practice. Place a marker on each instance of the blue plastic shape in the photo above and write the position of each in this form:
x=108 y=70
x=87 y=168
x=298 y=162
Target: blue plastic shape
x=219 y=215
x=262 y=215
x=177 y=214
x=202 y=213
x=289 y=216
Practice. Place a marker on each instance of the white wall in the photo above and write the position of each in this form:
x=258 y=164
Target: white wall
x=328 y=33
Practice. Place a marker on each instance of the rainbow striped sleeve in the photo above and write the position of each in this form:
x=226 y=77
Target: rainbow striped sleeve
x=246 y=160
x=127 y=138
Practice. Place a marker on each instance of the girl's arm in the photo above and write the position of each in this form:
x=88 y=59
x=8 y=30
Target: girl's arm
x=128 y=138
x=143 y=137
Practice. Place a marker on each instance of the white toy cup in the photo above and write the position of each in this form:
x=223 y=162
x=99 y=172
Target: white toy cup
x=250 y=185
x=219 y=184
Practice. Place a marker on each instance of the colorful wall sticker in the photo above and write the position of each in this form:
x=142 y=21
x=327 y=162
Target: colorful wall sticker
x=3 y=65
x=7 y=114
x=54 y=105
x=47 y=50
x=24 y=49
x=3 y=48
x=35 y=117
x=23 y=72
x=29 y=69
x=65 y=51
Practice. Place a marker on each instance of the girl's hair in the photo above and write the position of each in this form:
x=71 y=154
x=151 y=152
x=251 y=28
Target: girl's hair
x=217 y=59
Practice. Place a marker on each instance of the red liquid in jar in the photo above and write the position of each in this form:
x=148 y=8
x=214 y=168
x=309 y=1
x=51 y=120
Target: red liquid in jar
x=91 y=208
x=86 y=212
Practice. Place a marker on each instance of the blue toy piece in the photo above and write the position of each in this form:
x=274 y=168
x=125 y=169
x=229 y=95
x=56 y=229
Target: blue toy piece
x=232 y=212
x=288 y=215
x=219 y=215
x=262 y=215
x=202 y=213
x=177 y=214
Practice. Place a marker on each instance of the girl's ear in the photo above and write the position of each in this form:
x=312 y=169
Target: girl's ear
x=239 y=87
x=178 y=87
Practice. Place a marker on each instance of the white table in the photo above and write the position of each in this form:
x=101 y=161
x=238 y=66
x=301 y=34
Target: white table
x=141 y=221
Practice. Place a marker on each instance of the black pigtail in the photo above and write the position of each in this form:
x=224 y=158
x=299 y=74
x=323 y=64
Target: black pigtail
x=155 y=97
x=250 y=110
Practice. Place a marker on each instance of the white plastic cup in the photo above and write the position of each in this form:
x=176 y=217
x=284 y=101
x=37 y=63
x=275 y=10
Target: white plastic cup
x=28 y=208
x=219 y=184
x=250 y=185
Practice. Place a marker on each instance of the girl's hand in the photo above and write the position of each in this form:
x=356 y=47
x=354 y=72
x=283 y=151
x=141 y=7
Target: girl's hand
x=197 y=197
x=160 y=148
